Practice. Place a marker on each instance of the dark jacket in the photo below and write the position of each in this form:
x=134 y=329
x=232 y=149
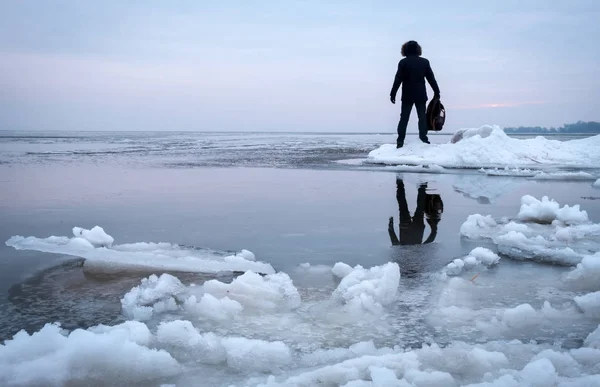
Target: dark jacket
x=412 y=72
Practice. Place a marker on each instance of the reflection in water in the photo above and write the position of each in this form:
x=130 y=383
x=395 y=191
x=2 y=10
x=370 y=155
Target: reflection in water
x=411 y=229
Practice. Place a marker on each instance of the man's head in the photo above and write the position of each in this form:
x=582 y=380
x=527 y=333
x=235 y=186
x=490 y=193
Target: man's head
x=411 y=48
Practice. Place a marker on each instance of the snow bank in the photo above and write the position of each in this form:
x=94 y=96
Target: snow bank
x=136 y=256
x=543 y=231
x=490 y=147
x=477 y=257
x=51 y=357
x=367 y=289
x=153 y=296
x=238 y=352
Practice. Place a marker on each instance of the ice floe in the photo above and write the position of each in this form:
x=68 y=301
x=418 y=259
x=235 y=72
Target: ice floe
x=490 y=147
x=94 y=246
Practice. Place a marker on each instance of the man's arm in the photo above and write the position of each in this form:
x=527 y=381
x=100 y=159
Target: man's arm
x=431 y=79
x=397 y=81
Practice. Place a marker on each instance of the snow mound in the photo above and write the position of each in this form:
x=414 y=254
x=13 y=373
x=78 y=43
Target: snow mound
x=543 y=231
x=51 y=357
x=367 y=289
x=489 y=147
x=153 y=296
x=477 y=257
x=252 y=291
x=138 y=256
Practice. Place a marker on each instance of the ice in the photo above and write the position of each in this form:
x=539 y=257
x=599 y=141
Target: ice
x=546 y=211
x=51 y=357
x=506 y=171
x=153 y=295
x=590 y=304
x=596 y=184
x=542 y=231
x=214 y=308
x=478 y=256
x=255 y=292
x=576 y=176
x=367 y=289
x=139 y=256
x=490 y=147
x=96 y=236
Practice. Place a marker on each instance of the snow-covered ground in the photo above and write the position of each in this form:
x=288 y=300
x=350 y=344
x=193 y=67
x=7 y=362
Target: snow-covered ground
x=490 y=148
x=338 y=325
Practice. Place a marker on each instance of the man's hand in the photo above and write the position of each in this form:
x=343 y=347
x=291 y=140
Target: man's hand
x=393 y=99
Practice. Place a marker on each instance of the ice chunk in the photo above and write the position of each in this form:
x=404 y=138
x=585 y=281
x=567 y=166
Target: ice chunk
x=539 y=373
x=576 y=176
x=520 y=316
x=369 y=289
x=96 y=236
x=253 y=291
x=239 y=353
x=139 y=256
x=596 y=184
x=154 y=295
x=546 y=211
x=477 y=226
x=490 y=147
x=478 y=256
x=214 y=308
x=589 y=303
x=593 y=339
x=51 y=357
x=341 y=269
x=587 y=273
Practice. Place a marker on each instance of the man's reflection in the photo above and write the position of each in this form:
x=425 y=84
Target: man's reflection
x=412 y=228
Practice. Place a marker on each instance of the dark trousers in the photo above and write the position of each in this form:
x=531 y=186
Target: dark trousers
x=405 y=115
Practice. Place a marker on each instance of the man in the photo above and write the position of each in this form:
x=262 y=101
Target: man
x=412 y=72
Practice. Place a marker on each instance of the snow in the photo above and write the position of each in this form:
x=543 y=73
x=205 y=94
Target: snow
x=367 y=289
x=587 y=273
x=489 y=147
x=94 y=246
x=542 y=231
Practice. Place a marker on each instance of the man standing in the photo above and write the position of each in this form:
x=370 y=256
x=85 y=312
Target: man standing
x=412 y=72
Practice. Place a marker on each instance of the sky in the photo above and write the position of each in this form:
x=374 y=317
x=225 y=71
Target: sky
x=314 y=66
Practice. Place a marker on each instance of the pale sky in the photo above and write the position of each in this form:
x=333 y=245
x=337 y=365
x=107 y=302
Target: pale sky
x=291 y=65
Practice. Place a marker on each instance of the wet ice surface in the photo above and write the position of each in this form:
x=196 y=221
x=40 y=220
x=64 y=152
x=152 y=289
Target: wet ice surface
x=482 y=307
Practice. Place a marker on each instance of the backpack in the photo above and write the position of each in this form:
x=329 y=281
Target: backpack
x=436 y=115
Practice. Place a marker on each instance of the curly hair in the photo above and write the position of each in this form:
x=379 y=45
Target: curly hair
x=411 y=48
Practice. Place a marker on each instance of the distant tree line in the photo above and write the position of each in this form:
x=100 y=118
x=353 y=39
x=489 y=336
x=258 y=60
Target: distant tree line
x=579 y=127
